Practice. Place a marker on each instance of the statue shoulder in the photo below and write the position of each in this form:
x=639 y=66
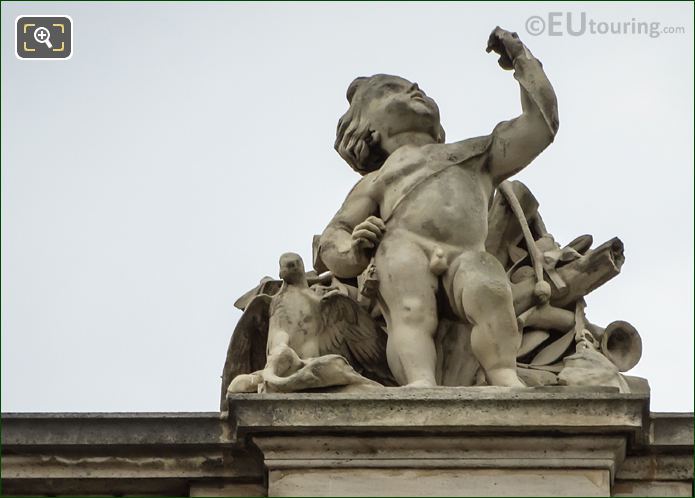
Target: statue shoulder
x=366 y=185
x=469 y=148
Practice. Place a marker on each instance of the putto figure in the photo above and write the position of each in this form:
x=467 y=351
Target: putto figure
x=420 y=214
x=437 y=270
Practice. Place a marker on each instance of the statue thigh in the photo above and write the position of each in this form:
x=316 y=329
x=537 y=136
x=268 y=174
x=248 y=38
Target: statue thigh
x=407 y=288
x=476 y=286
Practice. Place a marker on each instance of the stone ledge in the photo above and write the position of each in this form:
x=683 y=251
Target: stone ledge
x=170 y=453
x=121 y=453
x=670 y=431
x=112 y=429
x=462 y=452
x=438 y=482
x=94 y=487
x=135 y=464
x=653 y=488
x=658 y=467
x=445 y=410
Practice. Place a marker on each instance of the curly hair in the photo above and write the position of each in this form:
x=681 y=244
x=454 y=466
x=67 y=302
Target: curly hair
x=356 y=141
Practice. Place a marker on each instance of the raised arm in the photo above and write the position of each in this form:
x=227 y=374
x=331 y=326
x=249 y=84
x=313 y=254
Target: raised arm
x=515 y=143
x=355 y=230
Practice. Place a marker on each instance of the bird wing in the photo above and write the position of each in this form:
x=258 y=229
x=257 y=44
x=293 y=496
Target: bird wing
x=247 y=347
x=350 y=331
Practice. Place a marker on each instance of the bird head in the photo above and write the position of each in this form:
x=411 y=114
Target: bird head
x=291 y=268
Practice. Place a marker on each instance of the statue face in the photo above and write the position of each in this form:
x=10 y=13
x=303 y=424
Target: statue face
x=394 y=105
x=291 y=267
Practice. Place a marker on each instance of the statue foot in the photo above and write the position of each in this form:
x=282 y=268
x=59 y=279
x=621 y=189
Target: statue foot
x=506 y=377
x=421 y=383
x=245 y=383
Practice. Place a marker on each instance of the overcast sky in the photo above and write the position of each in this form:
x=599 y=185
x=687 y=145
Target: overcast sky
x=158 y=174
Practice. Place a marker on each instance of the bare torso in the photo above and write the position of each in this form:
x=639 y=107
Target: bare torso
x=427 y=193
x=421 y=218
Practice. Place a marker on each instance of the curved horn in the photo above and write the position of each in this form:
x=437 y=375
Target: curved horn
x=620 y=343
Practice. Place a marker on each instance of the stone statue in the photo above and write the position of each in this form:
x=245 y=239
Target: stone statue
x=313 y=335
x=559 y=345
x=420 y=212
x=436 y=270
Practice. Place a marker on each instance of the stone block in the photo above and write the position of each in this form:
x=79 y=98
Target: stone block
x=653 y=488
x=438 y=482
x=227 y=489
x=559 y=409
x=464 y=465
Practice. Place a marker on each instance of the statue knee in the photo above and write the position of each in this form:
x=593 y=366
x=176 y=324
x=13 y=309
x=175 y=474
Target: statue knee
x=416 y=312
x=494 y=294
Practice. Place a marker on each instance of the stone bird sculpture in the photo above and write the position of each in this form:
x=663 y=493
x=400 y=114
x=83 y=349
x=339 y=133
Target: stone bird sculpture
x=304 y=337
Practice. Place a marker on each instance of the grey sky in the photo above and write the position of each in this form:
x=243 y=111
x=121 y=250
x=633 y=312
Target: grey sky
x=159 y=173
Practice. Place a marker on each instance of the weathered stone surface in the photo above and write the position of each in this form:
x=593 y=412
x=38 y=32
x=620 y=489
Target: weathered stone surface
x=131 y=464
x=441 y=451
x=497 y=464
x=310 y=333
x=440 y=482
x=95 y=487
x=659 y=466
x=234 y=489
x=653 y=488
x=440 y=466
x=120 y=453
x=177 y=454
x=105 y=429
x=671 y=430
x=569 y=410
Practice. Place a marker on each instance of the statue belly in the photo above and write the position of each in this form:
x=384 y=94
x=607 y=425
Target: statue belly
x=450 y=208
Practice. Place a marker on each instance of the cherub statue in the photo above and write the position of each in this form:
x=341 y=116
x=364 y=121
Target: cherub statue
x=305 y=338
x=420 y=213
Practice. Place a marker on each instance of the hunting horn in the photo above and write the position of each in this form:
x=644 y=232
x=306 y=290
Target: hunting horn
x=620 y=343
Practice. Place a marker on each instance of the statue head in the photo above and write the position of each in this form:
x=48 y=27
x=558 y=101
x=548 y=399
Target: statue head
x=291 y=268
x=382 y=105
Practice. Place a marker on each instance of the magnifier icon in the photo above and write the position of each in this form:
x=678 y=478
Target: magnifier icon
x=42 y=35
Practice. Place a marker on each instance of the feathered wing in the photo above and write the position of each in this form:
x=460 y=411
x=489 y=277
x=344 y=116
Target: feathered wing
x=247 y=347
x=348 y=330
